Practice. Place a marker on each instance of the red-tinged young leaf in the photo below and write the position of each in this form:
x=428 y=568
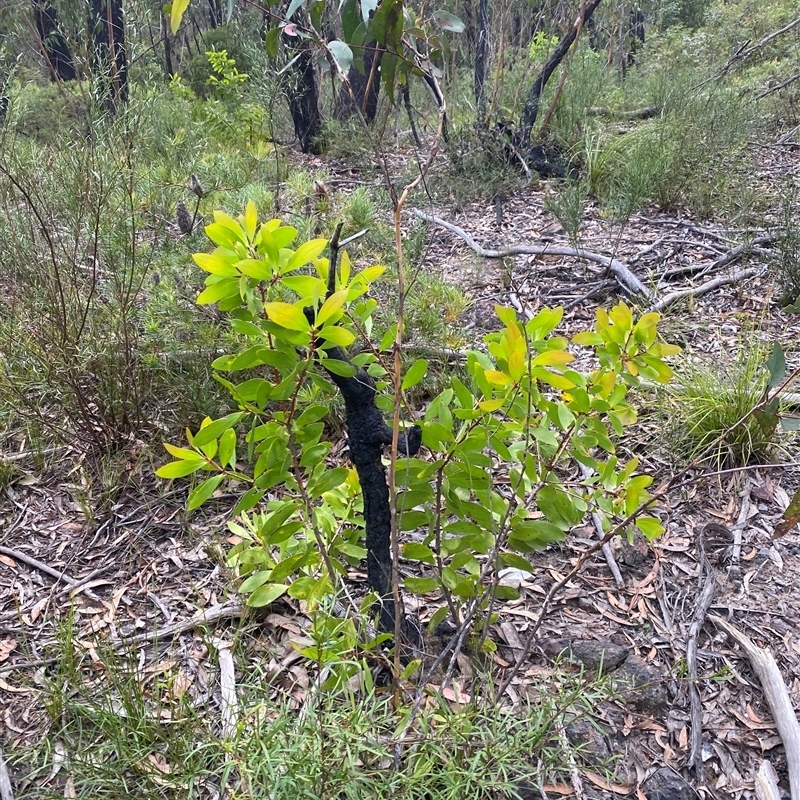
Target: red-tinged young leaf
x=201 y=493
x=180 y=469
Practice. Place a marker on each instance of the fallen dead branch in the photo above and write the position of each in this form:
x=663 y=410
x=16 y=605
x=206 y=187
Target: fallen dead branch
x=227 y=681
x=636 y=113
x=627 y=280
x=6 y=792
x=777 y=697
x=766 y=782
x=708 y=585
x=704 y=288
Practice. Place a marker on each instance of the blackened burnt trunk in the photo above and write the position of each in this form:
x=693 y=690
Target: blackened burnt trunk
x=530 y=111
x=53 y=43
x=368 y=435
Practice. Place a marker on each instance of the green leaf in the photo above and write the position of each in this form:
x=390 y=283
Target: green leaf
x=253 y=268
x=271 y=42
x=790 y=423
x=214 y=292
x=176 y=15
x=421 y=585
x=293 y=6
x=342 y=53
x=254 y=581
x=216 y=428
x=201 y=493
x=776 y=364
x=650 y=527
x=335 y=336
x=448 y=22
x=287 y=316
x=416 y=372
x=419 y=552
x=341 y=368
x=330 y=480
x=267 y=594
x=227 y=449
x=790 y=517
x=179 y=469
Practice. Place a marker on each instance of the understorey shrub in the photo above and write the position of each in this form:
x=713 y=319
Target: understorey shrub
x=498 y=477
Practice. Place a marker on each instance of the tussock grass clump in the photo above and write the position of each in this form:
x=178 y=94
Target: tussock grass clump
x=707 y=403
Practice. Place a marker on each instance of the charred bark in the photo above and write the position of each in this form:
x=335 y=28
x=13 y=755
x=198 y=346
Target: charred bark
x=300 y=87
x=109 y=56
x=365 y=87
x=531 y=109
x=368 y=435
x=54 y=45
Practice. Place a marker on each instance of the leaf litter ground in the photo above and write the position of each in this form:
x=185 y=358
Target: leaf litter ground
x=140 y=577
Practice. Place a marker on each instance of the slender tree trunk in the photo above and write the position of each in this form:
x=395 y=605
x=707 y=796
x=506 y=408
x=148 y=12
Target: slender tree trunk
x=110 y=59
x=365 y=87
x=215 y=13
x=481 y=50
x=300 y=87
x=54 y=46
x=165 y=35
x=531 y=109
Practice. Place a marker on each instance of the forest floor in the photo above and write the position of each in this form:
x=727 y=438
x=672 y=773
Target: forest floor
x=139 y=565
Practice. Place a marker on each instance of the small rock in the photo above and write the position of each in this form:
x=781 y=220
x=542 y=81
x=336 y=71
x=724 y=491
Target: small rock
x=641 y=685
x=591 y=653
x=666 y=784
x=592 y=743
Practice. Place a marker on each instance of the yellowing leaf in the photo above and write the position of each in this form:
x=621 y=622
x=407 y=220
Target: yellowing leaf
x=497 y=378
x=287 y=316
x=176 y=15
x=491 y=405
x=215 y=265
x=307 y=251
x=516 y=364
x=371 y=274
x=551 y=358
x=250 y=219
x=181 y=452
x=331 y=306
